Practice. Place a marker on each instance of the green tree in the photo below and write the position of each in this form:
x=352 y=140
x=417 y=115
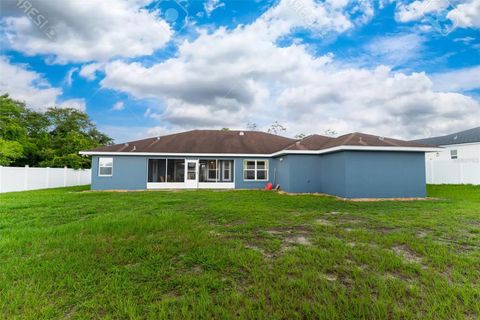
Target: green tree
x=51 y=139
x=13 y=134
x=71 y=131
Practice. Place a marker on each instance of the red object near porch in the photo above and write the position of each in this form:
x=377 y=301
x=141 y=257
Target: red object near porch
x=269 y=186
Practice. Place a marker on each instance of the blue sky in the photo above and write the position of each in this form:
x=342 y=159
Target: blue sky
x=142 y=68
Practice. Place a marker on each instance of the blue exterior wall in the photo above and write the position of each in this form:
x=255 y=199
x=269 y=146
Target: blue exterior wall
x=347 y=174
x=374 y=174
x=298 y=173
x=333 y=174
x=129 y=173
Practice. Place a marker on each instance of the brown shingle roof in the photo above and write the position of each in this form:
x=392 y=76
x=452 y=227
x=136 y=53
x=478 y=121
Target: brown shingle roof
x=368 y=140
x=248 y=142
x=207 y=141
x=312 y=142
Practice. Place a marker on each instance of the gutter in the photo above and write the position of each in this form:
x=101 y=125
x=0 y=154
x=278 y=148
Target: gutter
x=275 y=154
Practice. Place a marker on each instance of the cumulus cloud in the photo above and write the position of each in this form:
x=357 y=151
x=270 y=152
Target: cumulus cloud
x=416 y=10
x=230 y=77
x=82 y=31
x=467 y=14
x=464 y=14
x=89 y=71
x=458 y=80
x=29 y=86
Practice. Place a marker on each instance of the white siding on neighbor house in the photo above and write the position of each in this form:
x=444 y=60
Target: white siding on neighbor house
x=463 y=170
x=26 y=178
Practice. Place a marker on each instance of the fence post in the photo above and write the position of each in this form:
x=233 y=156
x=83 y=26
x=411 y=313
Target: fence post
x=64 y=176
x=1 y=180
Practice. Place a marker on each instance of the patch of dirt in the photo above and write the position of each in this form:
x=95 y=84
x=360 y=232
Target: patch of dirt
x=329 y=276
x=297 y=240
x=351 y=220
x=323 y=222
x=421 y=234
x=261 y=250
x=397 y=276
x=288 y=230
x=386 y=230
x=289 y=236
x=461 y=243
x=197 y=269
x=408 y=254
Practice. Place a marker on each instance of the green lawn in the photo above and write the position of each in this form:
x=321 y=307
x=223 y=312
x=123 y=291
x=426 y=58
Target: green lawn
x=70 y=254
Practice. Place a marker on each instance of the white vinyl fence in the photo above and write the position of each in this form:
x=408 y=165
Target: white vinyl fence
x=454 y=172
x=26 y=178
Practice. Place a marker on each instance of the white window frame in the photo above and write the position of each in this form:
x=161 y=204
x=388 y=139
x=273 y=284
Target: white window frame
x=209 y=170
x=229 y=170
x=104 y=166
x=256 y=169
x=452 y=152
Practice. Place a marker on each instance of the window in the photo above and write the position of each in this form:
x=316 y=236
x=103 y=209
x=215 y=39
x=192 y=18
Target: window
x=156 y=170
x=105 y=167
x=255 y=170
x=226 y=170
x=175 y=170
x=166 y=170
x=192 y=171
x=453 y=154
x=214 y=170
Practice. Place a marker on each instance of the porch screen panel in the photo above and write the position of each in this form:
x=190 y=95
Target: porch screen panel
x=175 y=170
x=157 y=170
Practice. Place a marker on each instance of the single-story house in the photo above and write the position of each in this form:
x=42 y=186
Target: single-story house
x=458 y=161
x=354 y=165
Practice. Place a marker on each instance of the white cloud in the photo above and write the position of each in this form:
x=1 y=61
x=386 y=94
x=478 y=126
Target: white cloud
x=89 y=71
x=458 y=80
x=467 y=14
x=230 y=77
x=395 y=50
x=463 y=13
x=211 y=5
x=69 y=76
x=29 y=86
x=118 y=106
x=87 y=30
x=78 y=104
x=416 y=10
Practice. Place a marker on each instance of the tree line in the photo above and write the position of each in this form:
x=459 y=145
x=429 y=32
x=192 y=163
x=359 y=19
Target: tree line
x=46 y=139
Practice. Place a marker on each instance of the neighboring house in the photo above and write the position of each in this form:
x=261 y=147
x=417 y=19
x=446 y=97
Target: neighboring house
x=355 y=165
x=458 y=161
